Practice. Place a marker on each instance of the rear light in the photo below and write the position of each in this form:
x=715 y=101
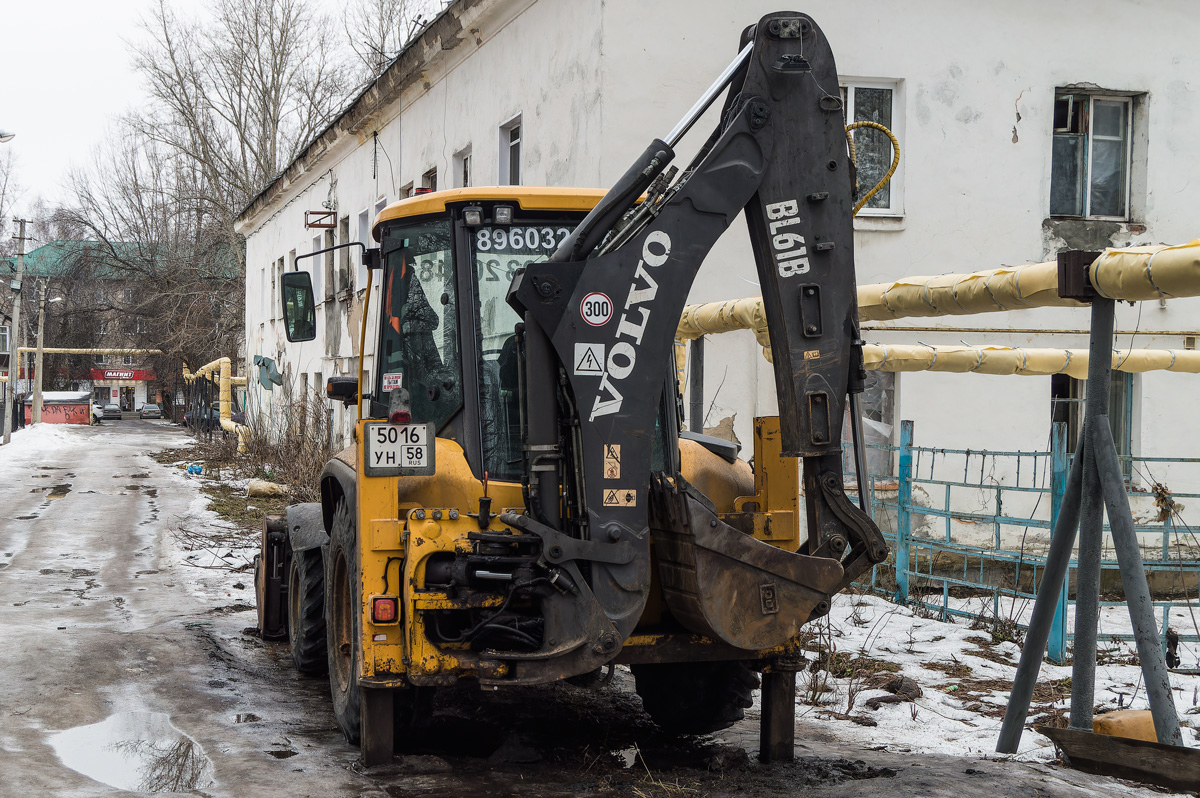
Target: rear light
x=422 y=190
x=398 y=407
x=502 y=214
x=385 y=609
x=473 y=215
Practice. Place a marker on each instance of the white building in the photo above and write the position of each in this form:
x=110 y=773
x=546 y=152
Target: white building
x=992 y=104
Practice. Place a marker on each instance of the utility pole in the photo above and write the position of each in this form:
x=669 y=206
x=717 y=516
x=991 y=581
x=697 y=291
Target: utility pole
x=35 y=414
x=14 y=363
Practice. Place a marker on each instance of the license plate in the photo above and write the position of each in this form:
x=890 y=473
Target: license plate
x=399 y=449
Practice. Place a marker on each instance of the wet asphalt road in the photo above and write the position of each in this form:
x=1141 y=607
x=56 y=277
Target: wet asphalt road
x=102 y=623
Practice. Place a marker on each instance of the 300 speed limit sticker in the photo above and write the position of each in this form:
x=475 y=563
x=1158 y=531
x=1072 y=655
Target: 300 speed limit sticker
x=596 y=309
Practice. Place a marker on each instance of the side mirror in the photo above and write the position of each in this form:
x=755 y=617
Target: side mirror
x=299 y=309
x=342 y=389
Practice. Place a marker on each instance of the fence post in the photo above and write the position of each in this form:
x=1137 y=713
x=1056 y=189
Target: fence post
x=903 y=511
x=1056 y=649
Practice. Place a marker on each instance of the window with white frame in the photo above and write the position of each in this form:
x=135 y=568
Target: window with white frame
x=1090 y=161
x=406 y=191
x=330 y=274
x=127 y=360
x=876 y=101
x=462 y=168
x=429 y=179
x=318 y=271
x=4 y=339
x=364 y=238
x=101 y=360
x=343 y=269
x=510 y=152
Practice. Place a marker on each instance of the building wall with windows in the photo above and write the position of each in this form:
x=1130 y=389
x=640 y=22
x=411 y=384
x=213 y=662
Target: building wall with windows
x=1021 y=134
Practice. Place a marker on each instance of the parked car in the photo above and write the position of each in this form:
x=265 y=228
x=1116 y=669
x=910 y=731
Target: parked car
x=210 y=417
x=150 y=410
x=112 y=411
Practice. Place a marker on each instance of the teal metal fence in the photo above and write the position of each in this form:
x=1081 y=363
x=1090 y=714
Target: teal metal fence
x=978 y=522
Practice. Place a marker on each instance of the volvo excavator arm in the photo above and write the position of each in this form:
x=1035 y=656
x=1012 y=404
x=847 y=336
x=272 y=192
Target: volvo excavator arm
x=600 y=319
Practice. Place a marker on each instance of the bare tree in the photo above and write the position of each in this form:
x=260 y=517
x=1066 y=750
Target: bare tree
x=234 y=97
x=10 y=192
x=165 y=270
x=240 y=94
x=378 y=29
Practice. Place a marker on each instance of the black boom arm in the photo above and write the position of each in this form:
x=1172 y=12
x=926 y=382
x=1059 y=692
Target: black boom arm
x=613 y=295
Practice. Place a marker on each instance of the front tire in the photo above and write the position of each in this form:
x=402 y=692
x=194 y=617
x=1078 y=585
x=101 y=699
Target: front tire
x=306 y=612
x=343 y=623
x=695 y=697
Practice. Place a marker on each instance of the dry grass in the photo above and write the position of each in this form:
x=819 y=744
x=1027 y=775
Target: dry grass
x=289 y=447
x=292 y=445
x=953 y=668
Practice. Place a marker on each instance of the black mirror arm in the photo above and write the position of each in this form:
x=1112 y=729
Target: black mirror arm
x=370 y=255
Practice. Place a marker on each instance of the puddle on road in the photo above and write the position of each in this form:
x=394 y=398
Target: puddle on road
x=135 y=751
x=58 y=491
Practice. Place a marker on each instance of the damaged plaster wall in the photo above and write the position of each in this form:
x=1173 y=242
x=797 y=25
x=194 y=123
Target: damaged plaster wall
x=595 y=80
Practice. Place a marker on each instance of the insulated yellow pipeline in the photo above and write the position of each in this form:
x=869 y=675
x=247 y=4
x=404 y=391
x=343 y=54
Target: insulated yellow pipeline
x=60 y=350
x=1027 y=362
x=1131 y=274
x=223 y=367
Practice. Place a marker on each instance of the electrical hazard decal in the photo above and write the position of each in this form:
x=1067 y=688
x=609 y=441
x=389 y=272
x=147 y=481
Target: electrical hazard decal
x=612 y=461
x=620 y=497
x=589 y=360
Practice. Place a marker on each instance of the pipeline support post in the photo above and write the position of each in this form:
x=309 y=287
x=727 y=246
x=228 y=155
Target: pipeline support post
x=1095 y=483
x=903 y=511
x=1091 y=520
x=696 y=385
x=1059 y=466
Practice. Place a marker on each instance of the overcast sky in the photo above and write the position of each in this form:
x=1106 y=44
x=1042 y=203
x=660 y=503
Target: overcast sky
x=66 y=76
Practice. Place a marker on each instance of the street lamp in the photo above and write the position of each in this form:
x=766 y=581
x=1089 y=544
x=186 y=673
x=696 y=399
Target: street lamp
x=35 y=415
x=6 y=136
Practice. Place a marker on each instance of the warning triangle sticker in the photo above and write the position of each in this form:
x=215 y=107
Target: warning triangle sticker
x=588 y=362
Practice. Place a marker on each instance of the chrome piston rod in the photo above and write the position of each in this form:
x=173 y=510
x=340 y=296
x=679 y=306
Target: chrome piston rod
x=706 y=99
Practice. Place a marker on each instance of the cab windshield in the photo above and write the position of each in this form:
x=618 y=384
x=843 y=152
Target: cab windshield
x=420 y=351
x=497 y=252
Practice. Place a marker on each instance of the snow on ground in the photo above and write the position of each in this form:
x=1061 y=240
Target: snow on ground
x=26 y=445
x=215 y=554
x=965 y=680
x=965 y=676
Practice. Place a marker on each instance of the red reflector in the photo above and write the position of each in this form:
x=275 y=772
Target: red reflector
x=400 y=417
x=384 y=610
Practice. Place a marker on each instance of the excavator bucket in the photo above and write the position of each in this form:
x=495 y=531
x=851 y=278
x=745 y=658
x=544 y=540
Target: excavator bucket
x=725 y=584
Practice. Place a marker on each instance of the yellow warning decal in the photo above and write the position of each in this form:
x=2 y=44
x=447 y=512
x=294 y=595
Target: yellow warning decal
x=620 y=497
x=612 y=461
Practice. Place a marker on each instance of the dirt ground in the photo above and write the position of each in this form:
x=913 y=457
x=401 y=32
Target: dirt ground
x=129 y=668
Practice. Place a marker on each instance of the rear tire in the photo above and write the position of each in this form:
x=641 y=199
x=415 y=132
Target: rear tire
x=343 y=623
x=306 y=612
x=695 y=697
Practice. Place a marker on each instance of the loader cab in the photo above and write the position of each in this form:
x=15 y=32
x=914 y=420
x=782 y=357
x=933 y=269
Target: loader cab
x=447 y=351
